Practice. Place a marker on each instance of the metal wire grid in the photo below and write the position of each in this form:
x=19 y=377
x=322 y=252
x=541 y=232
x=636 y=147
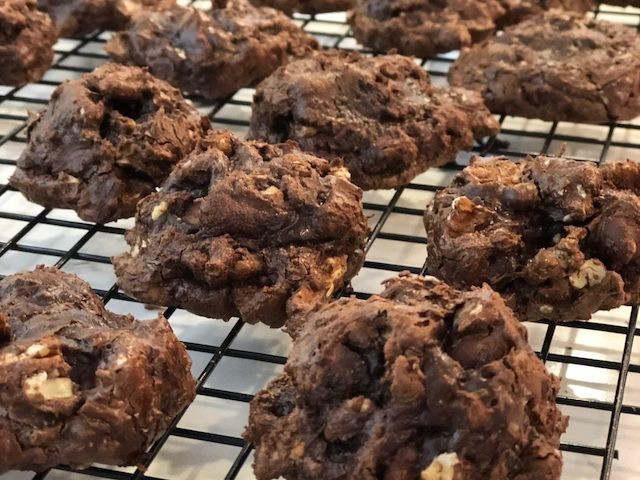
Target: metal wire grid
x=388 y=209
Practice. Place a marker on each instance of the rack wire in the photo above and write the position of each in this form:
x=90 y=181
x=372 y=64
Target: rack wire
x=600 y=369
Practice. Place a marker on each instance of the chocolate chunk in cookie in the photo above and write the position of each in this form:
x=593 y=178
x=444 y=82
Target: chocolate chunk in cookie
x=105 y=141
x=558 y=238
x=213 y=53
x=305 y=6
x=246 y=228
x=22 y=28
x=380 y=114
x=423 y=28
x=79 y=384
x=423 y=382
x=80 y=17
x=556 y=67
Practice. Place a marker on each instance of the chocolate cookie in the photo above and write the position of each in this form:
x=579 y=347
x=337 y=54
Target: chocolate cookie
x=423 y=382
x=557 y=67
x=246 y=228
x=79 y=384
x=79 y=17
x=305 y=6
x=423 y=28
x=557 y=238
x=517 y=10
x=105 y=141
x=211 y=54
x=22 y=27
x=380 y=114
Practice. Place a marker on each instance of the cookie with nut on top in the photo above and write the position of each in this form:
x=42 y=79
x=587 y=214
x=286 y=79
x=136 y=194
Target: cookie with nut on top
x=79 y=384
x=246 y=228
x=422 y=382
x=558 y=238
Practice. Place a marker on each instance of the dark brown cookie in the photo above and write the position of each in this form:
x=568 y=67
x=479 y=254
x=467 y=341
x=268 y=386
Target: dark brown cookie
x=79 y=17
x=105 y=141
x=380 y=114
x=211 y=54
x=246 y=228
x=79 y=384
x=423 y=28
x=423 y=382
x=517 y=10
x=558 y=238
x=557 y=67
x=22 y=27
x=305 y=6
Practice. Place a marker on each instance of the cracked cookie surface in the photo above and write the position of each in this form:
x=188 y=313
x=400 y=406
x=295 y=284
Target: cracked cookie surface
x=105 y=141
x=212 y=53
x=557 y=238
x=556 y=67
x=422 y=382
x=79 y=384
x=381 y=115
x=80 y=17
x=21 y=27
x=246 y=228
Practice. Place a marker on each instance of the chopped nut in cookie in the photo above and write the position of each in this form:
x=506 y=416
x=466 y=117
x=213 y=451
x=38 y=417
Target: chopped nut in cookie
x=40 y=385
x=442 y=467
x=591 y=273
x=159 y=210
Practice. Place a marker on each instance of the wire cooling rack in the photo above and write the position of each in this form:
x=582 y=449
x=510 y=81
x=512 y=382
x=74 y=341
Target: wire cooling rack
x=599 y=367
